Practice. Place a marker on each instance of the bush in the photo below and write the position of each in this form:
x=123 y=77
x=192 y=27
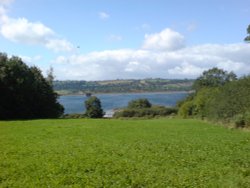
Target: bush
x=239 y=121
x=139 y=103
x=186 y=109
x=220 y=97
x=93 y=108
x=242 y=120
x=247 y=119
x=155 y=111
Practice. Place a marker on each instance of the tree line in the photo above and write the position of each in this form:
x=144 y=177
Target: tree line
x=25 y=92
x=219 y=96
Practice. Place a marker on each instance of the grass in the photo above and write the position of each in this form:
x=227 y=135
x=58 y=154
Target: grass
x=122 y=153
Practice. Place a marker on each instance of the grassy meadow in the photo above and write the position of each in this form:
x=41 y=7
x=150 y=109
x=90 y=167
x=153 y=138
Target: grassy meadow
x=122 y=153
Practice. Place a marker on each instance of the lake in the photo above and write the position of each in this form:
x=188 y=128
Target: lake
x=75 y=103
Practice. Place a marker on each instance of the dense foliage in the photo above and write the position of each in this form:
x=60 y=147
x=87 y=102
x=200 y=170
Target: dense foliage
x=93 y=108
x=122 y=86
x=154 y=111
x=213 y=78
x=25 y=93
x=228 y=101
x=139 y=103
x=116 y=153
x=143 y=108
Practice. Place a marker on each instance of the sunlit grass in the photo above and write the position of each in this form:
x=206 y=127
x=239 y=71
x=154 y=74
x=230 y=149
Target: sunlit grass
x=122 y=153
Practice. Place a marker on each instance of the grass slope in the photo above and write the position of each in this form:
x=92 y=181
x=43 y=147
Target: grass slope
x=122 y=153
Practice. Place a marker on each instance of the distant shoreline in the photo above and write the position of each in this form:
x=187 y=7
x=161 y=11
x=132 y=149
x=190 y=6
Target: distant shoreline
x=117 y=93
x=150 y=85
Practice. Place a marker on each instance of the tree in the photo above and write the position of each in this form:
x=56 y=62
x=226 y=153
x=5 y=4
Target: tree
x=213 y=78
x=232 y=99
x=25 y=93
x=50 y=76
x=247 y=39
x=93 y=108
x=139 y=103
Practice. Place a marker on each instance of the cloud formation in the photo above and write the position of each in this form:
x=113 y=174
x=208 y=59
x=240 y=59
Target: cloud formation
x=163 y=54
x=165 y=40
x=31 y=60
x=21 y=30
x=185 y=62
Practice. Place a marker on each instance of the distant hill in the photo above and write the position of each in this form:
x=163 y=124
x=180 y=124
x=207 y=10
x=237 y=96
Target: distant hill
x=122 y=86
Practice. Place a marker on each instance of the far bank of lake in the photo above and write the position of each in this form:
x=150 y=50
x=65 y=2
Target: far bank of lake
x=75 y=103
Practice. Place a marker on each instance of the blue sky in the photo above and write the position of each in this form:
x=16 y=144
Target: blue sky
x=118 y=39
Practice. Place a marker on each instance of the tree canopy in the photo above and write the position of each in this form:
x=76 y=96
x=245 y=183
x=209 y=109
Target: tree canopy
x=219 y=96
x=139 y=103
x=25 y=93
x=93 y=108
x=213 y=78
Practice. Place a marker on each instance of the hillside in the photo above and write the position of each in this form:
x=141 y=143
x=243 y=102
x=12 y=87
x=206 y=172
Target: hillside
x=122 y=86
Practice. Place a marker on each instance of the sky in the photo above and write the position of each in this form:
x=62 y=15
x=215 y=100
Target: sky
x=127 y=39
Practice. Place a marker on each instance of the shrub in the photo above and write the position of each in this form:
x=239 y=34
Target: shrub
x=139 y=103
x=155 y=111
x=239 y=121
x=247 y=119
x=242 y=120
x=186 y=109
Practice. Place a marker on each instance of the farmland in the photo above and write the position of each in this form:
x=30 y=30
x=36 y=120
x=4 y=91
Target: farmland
x=122 y=153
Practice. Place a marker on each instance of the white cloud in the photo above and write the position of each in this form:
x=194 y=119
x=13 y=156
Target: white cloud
x=165 y=40
x=103 y=15
x=3 y=12
x=31 y=60
x=162 y=54
x=185 y=69
x=187 y=62
x=6 y=2
x=23 y=31
x=58 y=45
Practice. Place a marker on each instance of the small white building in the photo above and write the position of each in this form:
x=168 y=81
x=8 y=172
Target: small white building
x=109 y=114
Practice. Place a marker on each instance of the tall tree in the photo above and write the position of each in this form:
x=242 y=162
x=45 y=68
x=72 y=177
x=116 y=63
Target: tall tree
x=93 y=108
x=25 y=93
x=213 y=78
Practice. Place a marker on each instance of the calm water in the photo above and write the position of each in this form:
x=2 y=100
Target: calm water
x=75 y=103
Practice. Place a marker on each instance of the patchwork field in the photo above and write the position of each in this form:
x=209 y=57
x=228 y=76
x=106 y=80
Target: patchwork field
x=122 y=153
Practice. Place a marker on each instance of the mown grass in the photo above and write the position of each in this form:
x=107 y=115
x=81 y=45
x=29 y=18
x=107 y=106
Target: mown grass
x=122 y=153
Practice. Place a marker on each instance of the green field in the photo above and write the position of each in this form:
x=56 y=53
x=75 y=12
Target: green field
x=122 y=153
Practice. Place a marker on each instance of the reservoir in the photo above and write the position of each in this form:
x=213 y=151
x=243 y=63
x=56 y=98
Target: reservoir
x=75 y=103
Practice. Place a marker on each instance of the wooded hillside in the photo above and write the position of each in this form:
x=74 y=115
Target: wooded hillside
x=122 y=86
